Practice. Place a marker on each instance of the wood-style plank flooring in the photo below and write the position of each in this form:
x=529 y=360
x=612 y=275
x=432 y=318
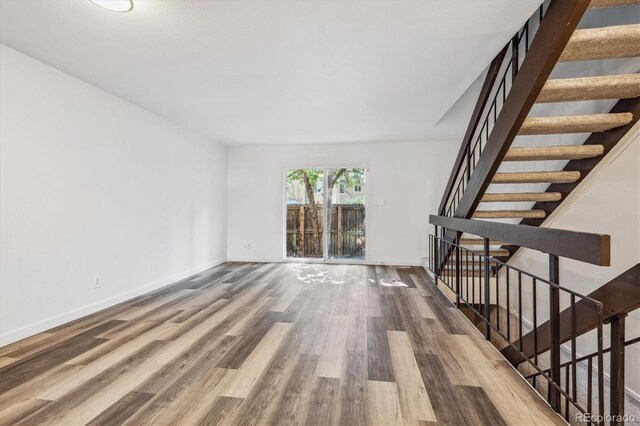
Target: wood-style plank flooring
x=260 y=343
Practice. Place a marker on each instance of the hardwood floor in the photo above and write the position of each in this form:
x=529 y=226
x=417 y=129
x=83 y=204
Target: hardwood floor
x=256 y=343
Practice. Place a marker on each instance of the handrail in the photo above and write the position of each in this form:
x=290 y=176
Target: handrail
x=582 y=246
x=487 y=86
x=559 y=23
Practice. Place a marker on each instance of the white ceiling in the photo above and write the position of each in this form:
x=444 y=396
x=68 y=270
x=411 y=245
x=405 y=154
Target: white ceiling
x=287 y=72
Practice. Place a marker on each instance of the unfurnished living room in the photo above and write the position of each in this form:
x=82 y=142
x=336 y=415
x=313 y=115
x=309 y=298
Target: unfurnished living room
x=319 y=212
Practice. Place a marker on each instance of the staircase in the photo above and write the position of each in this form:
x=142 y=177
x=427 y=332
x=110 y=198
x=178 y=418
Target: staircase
x=499 y=195
x=621 y=41
x=501 y=190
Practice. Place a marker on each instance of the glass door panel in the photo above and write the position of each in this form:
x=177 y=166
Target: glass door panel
x=304 y=213
x=346 y=200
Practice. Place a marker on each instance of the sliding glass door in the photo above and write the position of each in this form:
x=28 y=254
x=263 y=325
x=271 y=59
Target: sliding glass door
x=326 y=213
x=346 y=207
x=305 y=213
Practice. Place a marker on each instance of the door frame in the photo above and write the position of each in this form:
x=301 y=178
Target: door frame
x=325 y=246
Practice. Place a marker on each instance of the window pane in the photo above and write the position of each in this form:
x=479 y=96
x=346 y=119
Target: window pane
x=346 y=201
x=305 y=198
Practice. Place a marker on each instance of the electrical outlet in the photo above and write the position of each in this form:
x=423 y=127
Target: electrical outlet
x=381 y=202
x=247 y=246
x=96 y=281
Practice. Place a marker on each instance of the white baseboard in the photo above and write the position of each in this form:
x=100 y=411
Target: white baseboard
x=425 y=264
x=44 y=325
x=333 y=261
x=394 y=262
x=256 y=260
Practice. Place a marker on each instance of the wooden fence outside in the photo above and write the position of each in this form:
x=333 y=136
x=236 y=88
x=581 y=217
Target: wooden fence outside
x=346 y=236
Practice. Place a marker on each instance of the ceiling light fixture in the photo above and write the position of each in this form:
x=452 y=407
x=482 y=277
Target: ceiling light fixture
x=115 y=5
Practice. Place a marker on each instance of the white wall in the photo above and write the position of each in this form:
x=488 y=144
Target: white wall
x=606 y=202
x=93 y=185
x=409 y=176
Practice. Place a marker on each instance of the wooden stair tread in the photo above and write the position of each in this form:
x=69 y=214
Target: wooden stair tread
x=466 y=266
x=537 y=177
x=493 y=197
x=620 y=41
x=509 y=214
x=463 y=261
x=492 y=253
x=479 y=242
x=588 y=123
x=622 y=86
x=542 y=153
x=467 y=273
x=599 y=4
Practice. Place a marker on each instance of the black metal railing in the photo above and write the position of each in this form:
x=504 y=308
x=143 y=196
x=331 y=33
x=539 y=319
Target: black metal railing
x=514 y=306
x=571 y=373
x=506 y=64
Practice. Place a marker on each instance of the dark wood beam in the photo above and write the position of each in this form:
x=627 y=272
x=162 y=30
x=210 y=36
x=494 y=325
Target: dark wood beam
x=619 y=296
x=582 y=246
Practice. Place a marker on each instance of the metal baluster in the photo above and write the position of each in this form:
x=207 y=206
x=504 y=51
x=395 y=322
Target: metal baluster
x=480 y=286
x=487 y=312
x=508 y=307
x=495 y=112
x=590 y=386
x=449 y=267
x=616 y=405
x=468 y=162
x=600 y=365
x=515 y=41
x=431 y=253
x=554 y=350
x=487 y=134
x=466 y=262
x=520 y=309
x=436 y=257
x=535 y=327
x=473 y=280
x=574 y=332
x=458 y=277
x=566 y=399
x=497 y=302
